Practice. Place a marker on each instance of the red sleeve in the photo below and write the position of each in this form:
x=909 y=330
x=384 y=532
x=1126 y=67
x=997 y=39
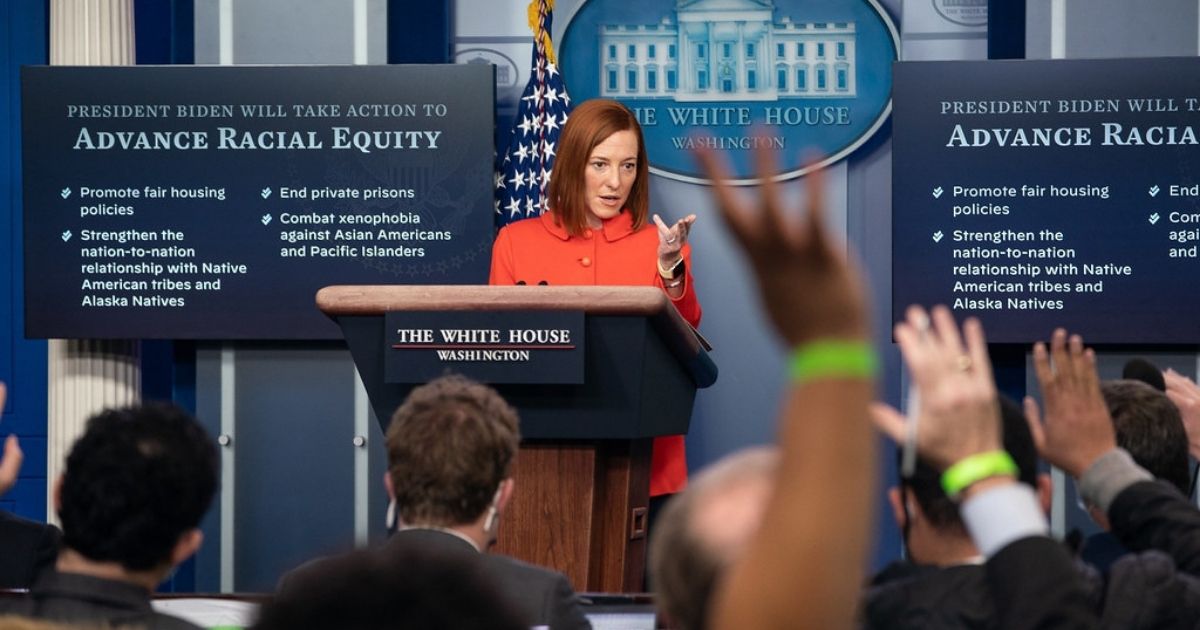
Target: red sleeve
x=502 y=261
x=687 y=303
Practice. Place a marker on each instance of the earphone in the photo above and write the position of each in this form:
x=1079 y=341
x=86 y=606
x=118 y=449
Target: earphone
x=390 y=519
x=493 y=514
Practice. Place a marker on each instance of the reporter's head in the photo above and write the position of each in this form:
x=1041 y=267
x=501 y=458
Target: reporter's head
x=450 y=445
x=703 y=530
x=1149 y=426
x=940 y=512
x=137 y=483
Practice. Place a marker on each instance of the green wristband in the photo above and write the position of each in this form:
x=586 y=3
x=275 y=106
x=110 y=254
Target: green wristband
x=975 y=468
x=832 y=358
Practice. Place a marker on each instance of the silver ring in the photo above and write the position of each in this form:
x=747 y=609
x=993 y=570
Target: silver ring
x=923 y=323
x=670 y=240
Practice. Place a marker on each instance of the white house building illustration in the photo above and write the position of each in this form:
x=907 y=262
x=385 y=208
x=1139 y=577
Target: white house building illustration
x=727 y=50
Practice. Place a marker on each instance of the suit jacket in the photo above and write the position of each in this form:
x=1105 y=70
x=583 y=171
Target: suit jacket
x=1034 y=585
x=1101 y=550
x=1154 y=515
x=540 y=596
x=83 y=599
x=1142 y=591
x=26 y=547
x=538 y=251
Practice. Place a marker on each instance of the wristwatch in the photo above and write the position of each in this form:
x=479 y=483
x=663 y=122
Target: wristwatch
x=673 y=272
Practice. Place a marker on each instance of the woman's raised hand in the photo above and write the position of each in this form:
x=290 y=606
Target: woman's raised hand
x=671 y=239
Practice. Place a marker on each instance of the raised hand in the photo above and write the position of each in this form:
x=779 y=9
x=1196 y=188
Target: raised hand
x=672 y=239
x=811 y=293
x=810 y=288
x=10 y=465
x=1076 y=428
x=1186 y=396
x=959 y=413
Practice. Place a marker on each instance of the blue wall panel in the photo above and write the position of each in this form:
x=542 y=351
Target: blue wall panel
x=418 y=32
x=163 y=31
x=22 y=363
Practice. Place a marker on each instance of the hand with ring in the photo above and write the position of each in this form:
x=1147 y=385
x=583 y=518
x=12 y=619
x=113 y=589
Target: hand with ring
x=959 y=412
x=672 y=239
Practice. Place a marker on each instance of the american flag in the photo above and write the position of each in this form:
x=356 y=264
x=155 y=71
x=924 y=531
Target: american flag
x=523 y=169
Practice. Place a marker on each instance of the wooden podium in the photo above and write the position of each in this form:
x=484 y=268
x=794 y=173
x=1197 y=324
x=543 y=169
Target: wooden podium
x=582 y=475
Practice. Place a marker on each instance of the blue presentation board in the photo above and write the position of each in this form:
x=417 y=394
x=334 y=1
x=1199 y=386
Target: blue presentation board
x=213 y=202
x=1037 y=194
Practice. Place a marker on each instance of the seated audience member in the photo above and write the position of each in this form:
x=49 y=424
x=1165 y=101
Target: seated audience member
x=804 y=572
x=1077 y=435
x=703 y=529
x=1148 y=426
x=407 y=587
x=1032 y=580
x=26 y=547
x=136 y=485
x=450 y=447
x=943 y=584
x=799 y=571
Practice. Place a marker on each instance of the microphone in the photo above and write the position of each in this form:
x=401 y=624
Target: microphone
x=1142 y=370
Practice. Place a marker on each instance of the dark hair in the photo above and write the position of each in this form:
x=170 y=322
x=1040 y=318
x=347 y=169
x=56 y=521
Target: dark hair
x=926 y=483
x=589 y=124
x=449 y=446
x=396 y=588
x=1148 y=425
x=136 y=480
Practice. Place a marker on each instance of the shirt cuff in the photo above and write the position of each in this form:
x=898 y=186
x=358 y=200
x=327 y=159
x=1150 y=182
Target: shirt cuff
x=1108 y=476
x=1003 y=515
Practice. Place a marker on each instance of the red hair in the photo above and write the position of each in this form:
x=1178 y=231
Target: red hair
x=589 y=124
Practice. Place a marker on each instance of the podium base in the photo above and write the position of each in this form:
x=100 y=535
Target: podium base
x=580 y=508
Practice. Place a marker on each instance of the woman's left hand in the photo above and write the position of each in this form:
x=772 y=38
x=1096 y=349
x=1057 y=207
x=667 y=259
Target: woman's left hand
x=671 y=239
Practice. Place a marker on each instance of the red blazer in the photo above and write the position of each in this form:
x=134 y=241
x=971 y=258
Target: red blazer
x=536 y=250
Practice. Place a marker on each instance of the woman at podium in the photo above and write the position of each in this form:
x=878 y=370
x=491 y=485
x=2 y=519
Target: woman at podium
x=597 y=231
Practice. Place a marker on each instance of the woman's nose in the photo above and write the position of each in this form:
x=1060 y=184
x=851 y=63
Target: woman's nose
x=614 y=178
